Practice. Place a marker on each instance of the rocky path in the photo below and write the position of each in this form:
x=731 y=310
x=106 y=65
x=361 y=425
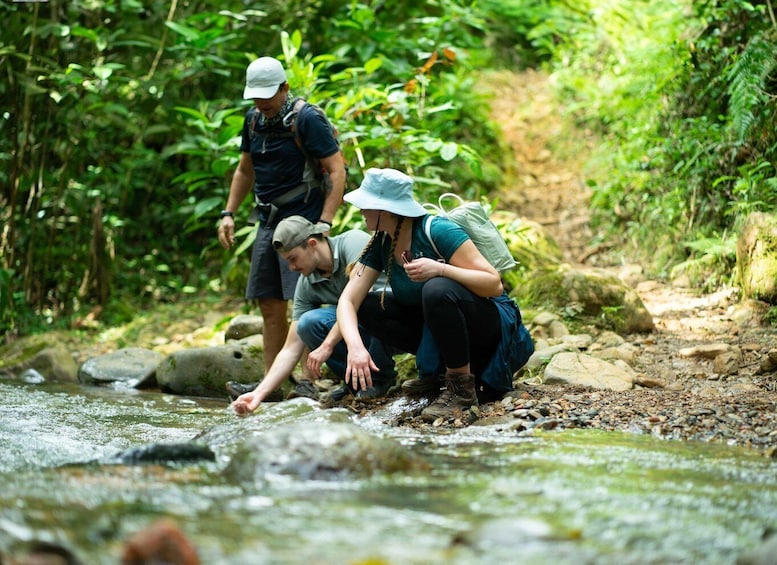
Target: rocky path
x=707 y=360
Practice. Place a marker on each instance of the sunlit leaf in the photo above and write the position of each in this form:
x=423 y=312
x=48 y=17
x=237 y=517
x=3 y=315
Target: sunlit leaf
x=189 y=33
x=449 y=151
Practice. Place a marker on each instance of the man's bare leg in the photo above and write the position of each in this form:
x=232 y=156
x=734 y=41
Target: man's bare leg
x=276 y=326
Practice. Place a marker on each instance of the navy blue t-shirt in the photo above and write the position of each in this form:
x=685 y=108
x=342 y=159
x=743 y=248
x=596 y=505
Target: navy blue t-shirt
x=279 y=165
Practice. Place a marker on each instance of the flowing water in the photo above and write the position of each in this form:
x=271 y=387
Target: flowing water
x=490 y=496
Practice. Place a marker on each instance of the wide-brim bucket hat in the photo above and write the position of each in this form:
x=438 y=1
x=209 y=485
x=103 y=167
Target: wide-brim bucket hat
x=388 y=190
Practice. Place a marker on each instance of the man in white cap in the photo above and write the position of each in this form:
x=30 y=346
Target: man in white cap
x=324 y=265
x=279 y=173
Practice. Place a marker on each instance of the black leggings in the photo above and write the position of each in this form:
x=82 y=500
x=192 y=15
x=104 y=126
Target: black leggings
x=465 y=327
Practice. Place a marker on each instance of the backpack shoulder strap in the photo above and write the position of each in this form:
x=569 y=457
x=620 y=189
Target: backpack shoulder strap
x=428 y=232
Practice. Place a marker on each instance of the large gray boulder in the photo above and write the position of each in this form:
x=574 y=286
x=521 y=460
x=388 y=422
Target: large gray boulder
x=204 y=371
x=326 y=451
x=132 y=366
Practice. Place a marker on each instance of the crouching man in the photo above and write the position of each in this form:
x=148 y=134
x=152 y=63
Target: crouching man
x=324 y=263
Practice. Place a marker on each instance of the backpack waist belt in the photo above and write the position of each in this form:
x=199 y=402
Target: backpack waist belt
x=271 y=208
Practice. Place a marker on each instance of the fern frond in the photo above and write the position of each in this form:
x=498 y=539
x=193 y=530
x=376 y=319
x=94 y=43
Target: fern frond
x=747 y=78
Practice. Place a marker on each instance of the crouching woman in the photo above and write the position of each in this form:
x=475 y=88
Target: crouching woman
x=449 y=307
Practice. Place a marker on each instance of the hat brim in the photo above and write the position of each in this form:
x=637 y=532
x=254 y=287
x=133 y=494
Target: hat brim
x=264 y=92
x=366 y=201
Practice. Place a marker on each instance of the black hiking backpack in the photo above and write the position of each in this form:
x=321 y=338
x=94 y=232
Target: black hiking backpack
x=290 y=122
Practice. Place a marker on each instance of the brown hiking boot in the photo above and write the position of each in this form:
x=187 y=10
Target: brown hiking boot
x=427 y=386
x=303 y=388
x=457 y=398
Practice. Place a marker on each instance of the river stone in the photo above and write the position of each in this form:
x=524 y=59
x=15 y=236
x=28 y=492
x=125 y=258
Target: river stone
x=53 y=363
x=326 y=451
x=204 y=371
x=133 y=366
x=728 y=363
x=32 y=377
x=626 y=353
x=584 y=370
x=163 y=453
x=506 y=532
x=764 y=554
x=243 y=326
x=541 y=356
x=706 y=351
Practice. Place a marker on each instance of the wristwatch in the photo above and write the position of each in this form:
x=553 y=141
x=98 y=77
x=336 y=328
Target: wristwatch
x=227 y=213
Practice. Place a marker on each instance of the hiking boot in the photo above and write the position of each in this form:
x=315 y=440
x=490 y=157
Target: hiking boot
x=380 y=387
x=339 y=392
x=235 y=388
x=303 y=388
x=457 y=398
x=424 y=386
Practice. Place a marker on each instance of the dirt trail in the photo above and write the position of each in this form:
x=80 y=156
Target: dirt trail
x=547 y=186
x=694 y=399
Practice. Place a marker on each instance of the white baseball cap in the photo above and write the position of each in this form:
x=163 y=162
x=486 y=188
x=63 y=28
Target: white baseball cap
x=263 y=78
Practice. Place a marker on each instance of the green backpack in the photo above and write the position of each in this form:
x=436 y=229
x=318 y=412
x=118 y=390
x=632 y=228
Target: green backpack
x=474 y=219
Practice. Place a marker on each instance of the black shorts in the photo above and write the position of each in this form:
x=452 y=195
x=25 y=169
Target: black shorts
x=269 y=276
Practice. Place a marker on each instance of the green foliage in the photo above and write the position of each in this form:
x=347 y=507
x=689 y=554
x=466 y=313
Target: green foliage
x=684 y=95
x=747 y=82
x=771 y=316
x=711 y=263
x=122 y=123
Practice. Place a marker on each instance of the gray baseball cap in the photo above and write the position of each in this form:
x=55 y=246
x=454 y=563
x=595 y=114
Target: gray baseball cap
x=293 y=231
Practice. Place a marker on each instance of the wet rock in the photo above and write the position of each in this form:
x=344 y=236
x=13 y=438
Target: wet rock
x=765 y=554
x=132 y=366
x=32 y=377
x=204 y=371
x=161 y=453
x=53 y=363
x=42 y=553
x=510 y=532
x=329 y=451
x=161 y=542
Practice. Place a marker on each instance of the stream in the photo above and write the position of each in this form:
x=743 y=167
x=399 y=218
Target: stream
x=489 y=495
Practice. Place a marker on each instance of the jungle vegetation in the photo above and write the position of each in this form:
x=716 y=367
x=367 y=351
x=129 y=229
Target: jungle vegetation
x=120 y=119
